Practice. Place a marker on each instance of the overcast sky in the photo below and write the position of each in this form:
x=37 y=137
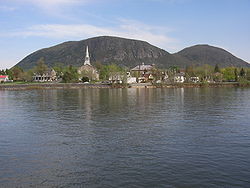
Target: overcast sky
x=29 y=25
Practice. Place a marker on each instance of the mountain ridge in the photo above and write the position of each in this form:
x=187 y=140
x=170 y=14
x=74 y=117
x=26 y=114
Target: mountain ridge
x=207 y=54
x=128 y=53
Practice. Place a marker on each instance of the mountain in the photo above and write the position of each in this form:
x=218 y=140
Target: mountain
x=104 y=49
x=205 y=54
x=129 y=53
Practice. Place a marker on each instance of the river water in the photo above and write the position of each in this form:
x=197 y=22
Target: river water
x=192 y=137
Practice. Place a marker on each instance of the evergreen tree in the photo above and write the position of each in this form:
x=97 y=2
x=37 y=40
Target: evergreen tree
x=9 y=73
x=236 y=74
x=216 y=68
x=242 y=72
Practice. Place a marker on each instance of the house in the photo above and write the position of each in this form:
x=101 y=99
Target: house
x=48 y=76
x=161 y=77
x=117 y=78
x=179 y=77
x=144 y=73
x=130 y=79
x=87 y=69
x=194 y=79
x=4 y=78
x=120 y=78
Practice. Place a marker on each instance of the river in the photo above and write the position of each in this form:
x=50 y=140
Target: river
x=183 y=137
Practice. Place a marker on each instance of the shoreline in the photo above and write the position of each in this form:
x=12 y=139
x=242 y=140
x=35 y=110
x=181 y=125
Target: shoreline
x=51 y=86
x=99 y=86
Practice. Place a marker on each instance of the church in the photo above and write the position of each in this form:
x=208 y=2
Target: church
x=87 y=70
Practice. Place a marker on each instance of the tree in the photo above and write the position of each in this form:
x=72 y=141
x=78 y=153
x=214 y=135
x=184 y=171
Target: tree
x=104 y=72
x=242 y=72
x=41 y=67
x=158 y=74
x=107 y=71
x=27 y=76
x=98 y=65
x=2 y=72
x=190 y=71
x=59 y=68
x=67 y=77
x=9 y=73
x=236 y=75
x=17 y=73
x=216 y=68
x=248 y=74
x=228 y=73
x=174 y=69
x=204 y=72
x=70 y=75
x=217 y=77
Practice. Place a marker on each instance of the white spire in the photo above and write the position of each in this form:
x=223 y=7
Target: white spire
x=87 y=51
x=87 y=58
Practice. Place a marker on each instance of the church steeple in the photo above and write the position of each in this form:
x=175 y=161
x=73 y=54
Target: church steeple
x=87 y=58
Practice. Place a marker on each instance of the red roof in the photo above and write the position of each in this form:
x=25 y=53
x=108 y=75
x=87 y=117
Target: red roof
x=3 y=76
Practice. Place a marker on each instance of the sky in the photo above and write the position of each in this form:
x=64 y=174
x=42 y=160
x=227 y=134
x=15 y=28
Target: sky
x=29 y=25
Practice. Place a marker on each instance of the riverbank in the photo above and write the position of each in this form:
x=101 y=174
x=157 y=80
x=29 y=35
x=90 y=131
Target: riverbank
x=190 y=85
x=31 y=86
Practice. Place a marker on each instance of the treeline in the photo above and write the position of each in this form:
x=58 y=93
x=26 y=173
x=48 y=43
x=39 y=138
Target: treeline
x=66 y=74
x=217 y=74
x=18 y=74
x=69 y=74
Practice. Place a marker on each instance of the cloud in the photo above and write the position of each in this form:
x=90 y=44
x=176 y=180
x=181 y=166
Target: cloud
x=53 y=7
x=125 y=28
x=51 y=4
x=7 y=8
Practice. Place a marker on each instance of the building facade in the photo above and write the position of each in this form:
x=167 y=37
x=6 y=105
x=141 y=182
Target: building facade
x=48 y=76
x=179 y=77
x=87 y=70
x=143 y=73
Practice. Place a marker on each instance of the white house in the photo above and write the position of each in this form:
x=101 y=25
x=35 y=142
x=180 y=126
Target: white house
x=117 y=78
x=48 y=76
x=195 y=79
x=130 y=79
x=179 y=77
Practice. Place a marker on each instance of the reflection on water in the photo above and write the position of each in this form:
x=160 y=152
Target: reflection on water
x=192 y=137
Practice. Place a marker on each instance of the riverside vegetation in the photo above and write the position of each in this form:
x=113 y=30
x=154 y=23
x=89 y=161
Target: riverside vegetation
x=68 y=74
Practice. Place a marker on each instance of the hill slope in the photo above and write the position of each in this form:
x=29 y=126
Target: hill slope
x=106 y=50
x=129 y=53
x=205 y=54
